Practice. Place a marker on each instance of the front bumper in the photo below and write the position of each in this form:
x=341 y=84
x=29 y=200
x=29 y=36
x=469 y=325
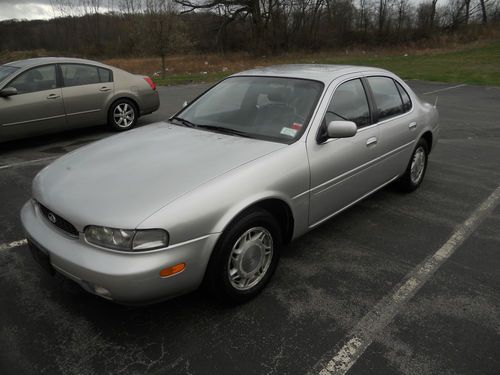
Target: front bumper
x=123 y=277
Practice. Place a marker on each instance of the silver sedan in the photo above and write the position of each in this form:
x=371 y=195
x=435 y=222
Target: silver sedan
x=47 y=95
x=213 y=195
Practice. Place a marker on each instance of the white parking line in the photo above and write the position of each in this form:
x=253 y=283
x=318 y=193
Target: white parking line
x=8 y=246
x=367 y=329
x=27 y=162
x=446 y=88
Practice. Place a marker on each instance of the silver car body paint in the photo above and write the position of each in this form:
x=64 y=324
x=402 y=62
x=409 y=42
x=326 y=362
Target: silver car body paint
x=193 y=183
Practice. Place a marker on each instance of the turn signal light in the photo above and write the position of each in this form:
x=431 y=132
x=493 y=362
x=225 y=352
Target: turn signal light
x=170 y=271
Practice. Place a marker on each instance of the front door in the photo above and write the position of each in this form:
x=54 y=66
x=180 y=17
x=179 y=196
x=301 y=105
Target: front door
x=343 y=169
x=37 y=108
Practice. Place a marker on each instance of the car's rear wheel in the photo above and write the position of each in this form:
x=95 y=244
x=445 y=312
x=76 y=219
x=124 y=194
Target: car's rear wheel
x=122 y=115
x=415 y=172
x=245 y=257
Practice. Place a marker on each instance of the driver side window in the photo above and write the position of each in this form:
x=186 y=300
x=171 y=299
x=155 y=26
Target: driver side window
x=36 y=79
x=349 y=103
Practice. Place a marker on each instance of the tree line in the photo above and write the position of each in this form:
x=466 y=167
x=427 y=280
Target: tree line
x=110 y=28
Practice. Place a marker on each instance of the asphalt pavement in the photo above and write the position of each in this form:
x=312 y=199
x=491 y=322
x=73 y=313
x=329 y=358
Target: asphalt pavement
x=358 y=291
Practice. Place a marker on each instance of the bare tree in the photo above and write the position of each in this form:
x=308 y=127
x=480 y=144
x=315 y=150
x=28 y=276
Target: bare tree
x=160 y=15
x=483 y=12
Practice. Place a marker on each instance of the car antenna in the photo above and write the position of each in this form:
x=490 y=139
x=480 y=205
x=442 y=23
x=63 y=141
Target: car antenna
x=436 y=102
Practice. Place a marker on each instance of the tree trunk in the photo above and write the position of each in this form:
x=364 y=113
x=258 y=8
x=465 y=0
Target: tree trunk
x=163 y=64
x=483 y=11
x=467 y=11
x=433 y=13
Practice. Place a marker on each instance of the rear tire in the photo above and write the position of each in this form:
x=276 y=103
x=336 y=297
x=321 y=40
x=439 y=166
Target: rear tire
x=245 y=257
x=123 y=115
x=415 y=171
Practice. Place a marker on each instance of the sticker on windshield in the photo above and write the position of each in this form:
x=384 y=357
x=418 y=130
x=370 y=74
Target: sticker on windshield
x=296 y=126
x=288 y=131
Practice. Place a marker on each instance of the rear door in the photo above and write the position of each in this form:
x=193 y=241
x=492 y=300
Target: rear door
x=86 y=91
x=397 y=123
x=38 y=106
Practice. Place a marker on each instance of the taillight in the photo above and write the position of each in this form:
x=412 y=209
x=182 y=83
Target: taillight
x=150 y=82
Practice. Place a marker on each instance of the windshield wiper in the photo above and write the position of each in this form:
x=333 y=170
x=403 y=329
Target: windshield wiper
x=221 y=129
x=183 y=121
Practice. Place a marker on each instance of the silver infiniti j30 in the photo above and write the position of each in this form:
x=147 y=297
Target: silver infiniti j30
x=211 y=196
x=51 y=94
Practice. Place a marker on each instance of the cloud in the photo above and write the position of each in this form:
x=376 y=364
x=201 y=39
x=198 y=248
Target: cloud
x=43 y=9
x=25 y=10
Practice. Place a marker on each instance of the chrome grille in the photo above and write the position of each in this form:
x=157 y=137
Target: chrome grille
x=58 y=221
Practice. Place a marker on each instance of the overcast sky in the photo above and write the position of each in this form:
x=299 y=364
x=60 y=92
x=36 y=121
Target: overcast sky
x=35 y=9
x=25 y=9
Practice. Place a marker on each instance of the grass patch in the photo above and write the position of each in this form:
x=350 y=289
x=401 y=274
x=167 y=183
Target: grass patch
x=473 y=65
x=477 y=63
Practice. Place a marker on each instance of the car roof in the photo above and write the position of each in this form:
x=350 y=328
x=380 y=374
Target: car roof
x=51 y=60
x=319 y=72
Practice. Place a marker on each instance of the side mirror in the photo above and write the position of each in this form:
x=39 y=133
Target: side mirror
x=341 y=129
x=8 y=91
x=184 y=104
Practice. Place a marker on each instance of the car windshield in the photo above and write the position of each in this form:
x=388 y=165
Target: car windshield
x=6 y=70
x=275 y=109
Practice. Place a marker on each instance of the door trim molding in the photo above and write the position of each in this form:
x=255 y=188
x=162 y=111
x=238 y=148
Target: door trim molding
x=35 y=120
x=83 y=112
x=352 y=203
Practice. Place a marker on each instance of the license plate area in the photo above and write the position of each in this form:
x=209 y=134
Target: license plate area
x=41 y=258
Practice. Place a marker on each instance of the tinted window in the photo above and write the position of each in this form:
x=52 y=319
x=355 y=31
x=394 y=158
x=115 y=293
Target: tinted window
x=387 y=97
x=36 y=79
x=6 y=71
x=405 y=97
x=77 y=75
x=349 y=103
x=105 y=75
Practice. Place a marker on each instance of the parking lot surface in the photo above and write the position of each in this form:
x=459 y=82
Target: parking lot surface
x=342 y=299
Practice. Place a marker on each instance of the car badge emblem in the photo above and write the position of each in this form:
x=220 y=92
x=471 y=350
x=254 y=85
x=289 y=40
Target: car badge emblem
x=51 y=218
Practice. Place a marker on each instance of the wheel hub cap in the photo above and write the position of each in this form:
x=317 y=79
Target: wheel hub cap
x=123 y=115
x=417 y=165
x=250 y=258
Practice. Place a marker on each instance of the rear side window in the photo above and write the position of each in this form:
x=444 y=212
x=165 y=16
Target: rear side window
x=78 y=74
x=37 y=79
x=105 y=75
x=405 y=97
x=387 y=98
x=349 y=102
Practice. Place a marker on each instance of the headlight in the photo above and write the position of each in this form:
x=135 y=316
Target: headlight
x=126 y=239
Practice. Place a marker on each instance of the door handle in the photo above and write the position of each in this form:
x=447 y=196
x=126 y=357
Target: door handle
x=412 y=125
x=371 y=141
x=104 y=88
x=53 y=96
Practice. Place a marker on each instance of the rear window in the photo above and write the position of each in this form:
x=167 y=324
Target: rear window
x=387 y=97
x=405 y=97
x=6 y=70
x=105 y=75
x=80 y=74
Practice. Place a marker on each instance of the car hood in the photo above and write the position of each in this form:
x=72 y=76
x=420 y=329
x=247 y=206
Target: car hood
x=122 y=180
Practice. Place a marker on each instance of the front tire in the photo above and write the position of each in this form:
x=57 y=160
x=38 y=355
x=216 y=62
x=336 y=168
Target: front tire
x=123 y=115
x=244 y=258
x=415 y=172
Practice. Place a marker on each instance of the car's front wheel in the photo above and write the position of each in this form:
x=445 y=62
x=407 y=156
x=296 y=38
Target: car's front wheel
x=416 y=168
x=122 y=115
x=245 y=257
